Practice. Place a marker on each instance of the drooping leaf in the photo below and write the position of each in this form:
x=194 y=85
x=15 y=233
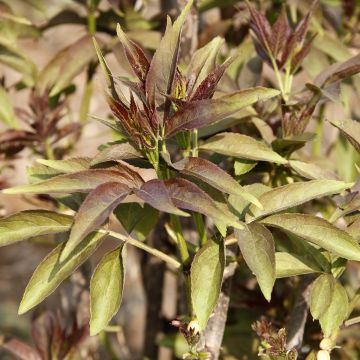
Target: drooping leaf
x=292 y=265
x=206 y=277
x=106 y=287
x=116 y=152
x=350 y=129
x=51 y=272
x=162 y=69
x=187 y=195
x=92 y=213
x=258 y=249
x=30 y=223
x=210 y=173
x=200 y=113
x=7 y=114
x=291 y=195
x=156 y=194
x=67 y=166
x=321 y=294
x=241 y=146
x=317 y=231
x=82 y=181
x=311 y=171
x=65 y=65
x=336 y=312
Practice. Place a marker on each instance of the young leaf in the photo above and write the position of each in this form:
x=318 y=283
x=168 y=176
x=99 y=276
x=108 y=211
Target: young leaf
x=311 y=171
x=210 y=173
x=288 y=196
x=106 y=287
x=7 y=114
x=317 y=231
x=350 y=129
x=50 y=272
x=242 y=166
x=92 y=213
x=67 y=166
x=82 y=181
x=293 y=265
x=206 y=274
x=336 y=312
x=31 y=223
x=197 y=114
x=321 y=294
x=156 y=194
x=241 y=146
x=258 y=249
x=163 y=65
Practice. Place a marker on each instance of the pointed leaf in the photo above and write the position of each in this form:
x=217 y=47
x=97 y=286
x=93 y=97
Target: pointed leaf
x=200 y=113
x=206 y=274
x=241 y=146
x=258 y=249
x=92 y=213
x=156 y=194
x=7 y=114
x=67 y=166
x=31 y=223
x=317 y=231
x=82 y=181
x=311 y=171
x=351 y=130
x=19 y=349
x=291 y=195
x=321 y=294
x=213 y=175
x=106 y=287
x=50 y=272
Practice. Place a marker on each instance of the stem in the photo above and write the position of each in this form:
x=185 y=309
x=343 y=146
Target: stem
x=184 y=253
x=91 y=20
x=199 y=221
x=85 y=101
x=278 y=77
x=49 y=151
x=352 y=321
x=129 y=240
x=195 y=149
x=317 y=143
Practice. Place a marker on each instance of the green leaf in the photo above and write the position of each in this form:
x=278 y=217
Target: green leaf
x=67 y=166
x=258 y=249
x=242 y=166
x=350 y=129
x=7 y=114
x=213 y=175
x=82 y=181
x=197 y=114
x=241 y=146
x=354 y=230
x=321 y=294
x=206 y=274
x=336 y=312
x=317 y=231
x=311 y=171
x=163 y=65
x=65 y=65
x=51 y=272
x=348 y=208
x=292 y=265
x=116 y=152
x=93 y=212
x=31 y=223
x=106 y=287
x=291 y=195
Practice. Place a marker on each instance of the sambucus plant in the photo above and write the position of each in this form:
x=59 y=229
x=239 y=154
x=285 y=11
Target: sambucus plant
x=172 y=122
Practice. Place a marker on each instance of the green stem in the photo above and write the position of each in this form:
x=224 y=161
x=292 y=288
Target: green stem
x=278 y=77
x=85 y=101
x=91 y=21
x=129 y=240
x=195 y=150
x=184 y=252
x=199 y=221
x=317 y=143
x=49 y=151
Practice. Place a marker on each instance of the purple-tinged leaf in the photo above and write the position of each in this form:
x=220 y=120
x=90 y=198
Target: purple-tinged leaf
x=213 y=175
x=187 y=195
x=200 y=113
x=280 y=33
x=135 y=55
x=92 y=213
x=19 y=349
x=300 y=56
x=163 y=65
x=156 y=194
x=82 y=181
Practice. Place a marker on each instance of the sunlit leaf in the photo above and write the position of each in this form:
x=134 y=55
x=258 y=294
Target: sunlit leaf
x=311 y=171
x=350 y=129
x=67 y=166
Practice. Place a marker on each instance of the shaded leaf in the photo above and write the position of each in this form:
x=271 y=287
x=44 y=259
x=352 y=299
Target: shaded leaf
x=19 y=349
x=258 y=249
x=106 y=287
x=50 y=272
x=291 y=195
x=241 y=146
x=92 y=213
x=30 y=223
x=206 y=277
x=200 y=113
x=317 y=231
x=321 y=294
x=67 y=166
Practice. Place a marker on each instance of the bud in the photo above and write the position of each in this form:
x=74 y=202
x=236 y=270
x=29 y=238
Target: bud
x=193 y=327
x=323 y=355
x=326 y=344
